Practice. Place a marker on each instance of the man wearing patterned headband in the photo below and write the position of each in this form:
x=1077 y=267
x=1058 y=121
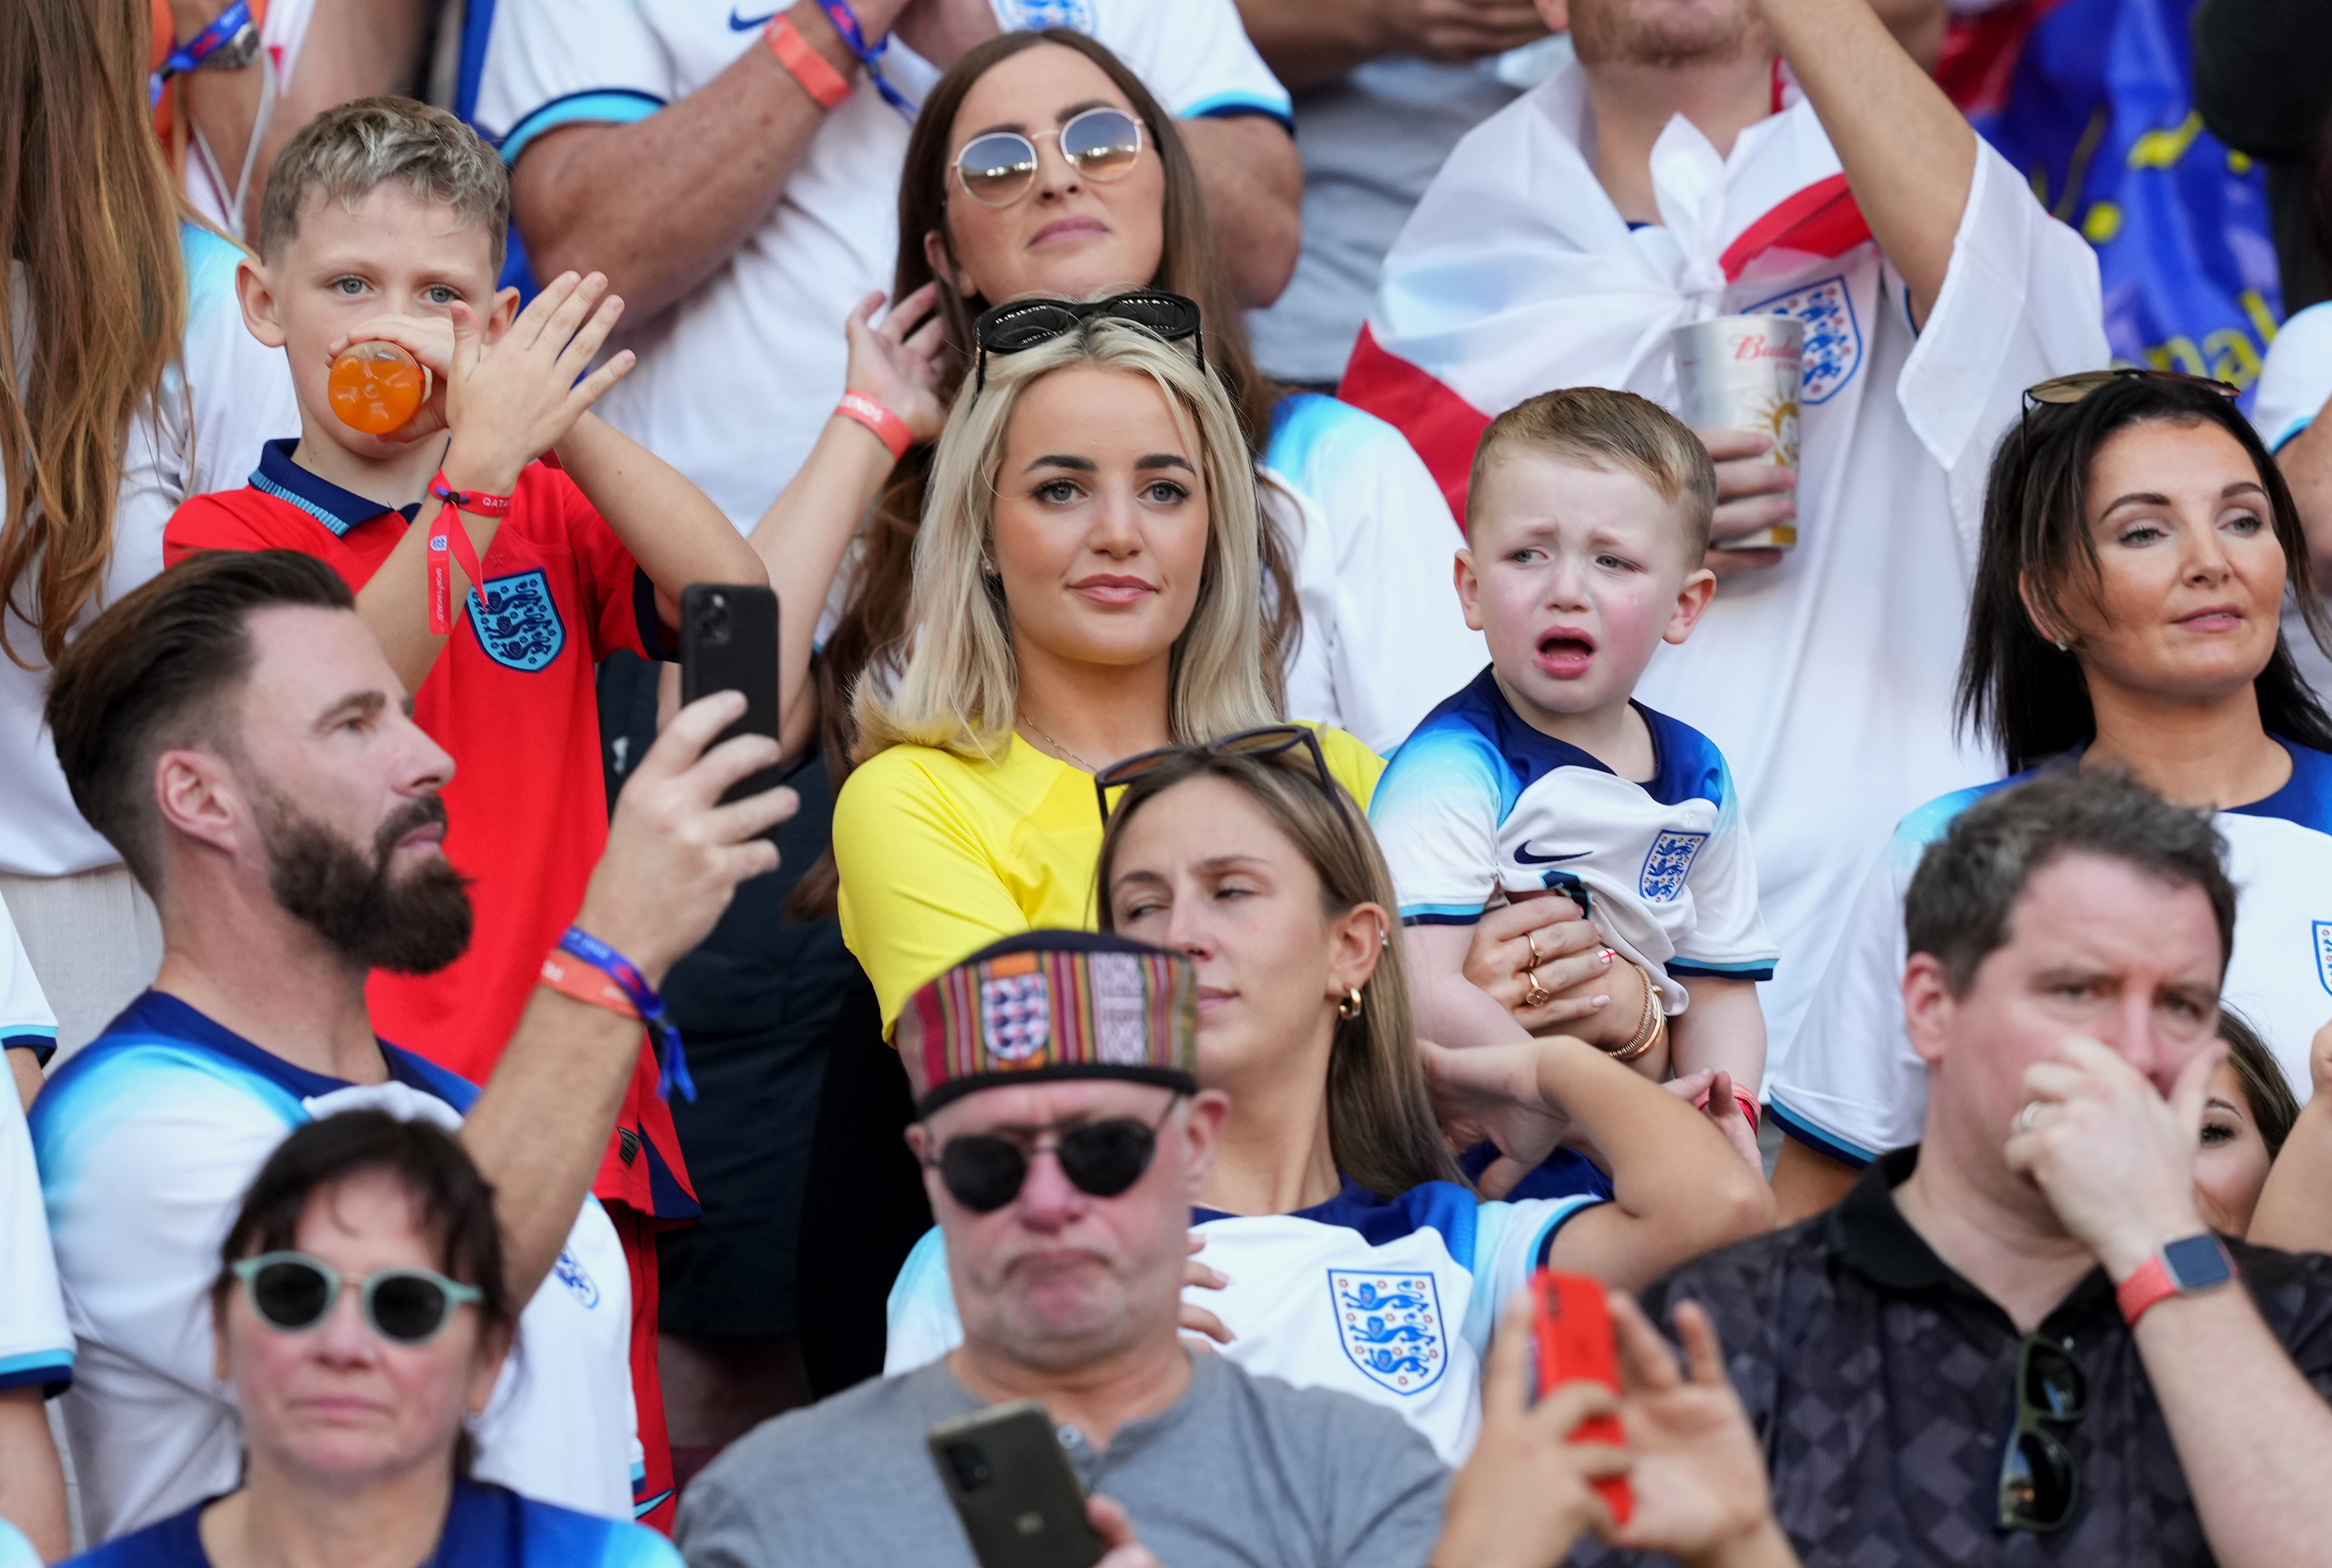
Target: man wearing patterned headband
x=1065 y=1135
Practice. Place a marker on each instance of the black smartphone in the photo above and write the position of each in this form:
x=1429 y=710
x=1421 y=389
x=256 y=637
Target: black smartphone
x=1568 y=884
x=729 y=643
x=1014 y=1489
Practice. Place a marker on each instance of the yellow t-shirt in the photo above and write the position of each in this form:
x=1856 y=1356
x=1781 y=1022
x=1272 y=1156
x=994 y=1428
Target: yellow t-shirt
x=941 y=857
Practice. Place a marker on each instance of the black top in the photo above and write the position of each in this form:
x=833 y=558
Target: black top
x=1883 y=1387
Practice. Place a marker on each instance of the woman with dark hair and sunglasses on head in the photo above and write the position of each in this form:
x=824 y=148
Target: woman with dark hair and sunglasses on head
x=1333 y=1175
x=2138 y=545
x=361 y=1314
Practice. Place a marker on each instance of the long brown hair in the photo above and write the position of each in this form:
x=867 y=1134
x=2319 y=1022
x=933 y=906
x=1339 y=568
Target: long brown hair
x=88 y=206
x=1382 y=1127
x=873 y=625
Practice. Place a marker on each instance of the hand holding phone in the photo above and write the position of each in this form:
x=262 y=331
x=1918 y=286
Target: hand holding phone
x=1571 y=1330
x=1020 y=1501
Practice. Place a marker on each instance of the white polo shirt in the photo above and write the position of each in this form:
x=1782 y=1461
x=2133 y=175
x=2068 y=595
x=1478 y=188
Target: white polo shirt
x=36 y=1347
x=2296 y=380
x=147 y=1139
x=735 y=381
x=1826 y=681
x=1852 y=1086
x=1392 y=1300
x=226 y=395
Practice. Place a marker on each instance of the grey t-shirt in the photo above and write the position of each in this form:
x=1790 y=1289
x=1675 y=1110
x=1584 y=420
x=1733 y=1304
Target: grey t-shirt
x=1240 y=1470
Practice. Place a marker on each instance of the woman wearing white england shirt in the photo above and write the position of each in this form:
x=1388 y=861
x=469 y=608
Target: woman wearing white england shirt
x=2138 y=542
x=131 y=385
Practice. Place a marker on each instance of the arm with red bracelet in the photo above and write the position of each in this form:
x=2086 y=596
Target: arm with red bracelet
x=513 y=388
x=890 y=396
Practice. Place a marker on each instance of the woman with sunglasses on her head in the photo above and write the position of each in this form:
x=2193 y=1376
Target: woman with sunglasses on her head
x=361 y=1315
x=1082 y=591
x=2139 y=544
x=1333 y=1175
x=1040 y=166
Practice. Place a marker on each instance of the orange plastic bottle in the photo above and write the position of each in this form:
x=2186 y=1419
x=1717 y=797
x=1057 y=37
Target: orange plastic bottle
x=376 y=387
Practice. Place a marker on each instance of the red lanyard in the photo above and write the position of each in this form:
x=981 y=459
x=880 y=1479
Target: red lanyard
x=445 y=533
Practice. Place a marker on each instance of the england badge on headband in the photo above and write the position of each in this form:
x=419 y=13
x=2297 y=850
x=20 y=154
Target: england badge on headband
x=1391 y=1325
x=1016 y=1015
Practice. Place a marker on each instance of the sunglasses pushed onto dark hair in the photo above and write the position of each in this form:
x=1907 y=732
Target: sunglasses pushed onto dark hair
x=2060 y=390
x=1018 y=325
x=1270 y=741
x=985 y=1171
x=291 y=1293
x=998 y=167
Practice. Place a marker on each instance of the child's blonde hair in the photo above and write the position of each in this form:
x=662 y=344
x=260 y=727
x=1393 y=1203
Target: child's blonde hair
x=1606 y=429
x=347 y=151
x=959 y=689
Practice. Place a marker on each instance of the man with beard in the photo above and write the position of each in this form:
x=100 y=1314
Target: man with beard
x=236 y=732
x=1716 y=158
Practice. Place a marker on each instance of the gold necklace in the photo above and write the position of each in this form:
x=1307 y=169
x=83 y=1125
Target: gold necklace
x=1064 y=753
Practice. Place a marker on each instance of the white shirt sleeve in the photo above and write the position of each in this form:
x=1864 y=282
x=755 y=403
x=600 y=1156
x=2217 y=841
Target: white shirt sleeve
x=36 y=1346
x=144 y=1160
x=240 y=389
x=554 y=63
x=1728 y=939
x=2021 y=302
x=1850 y=1086
x=920 y=1312
x=1374 y=575
x=1193 y=54
x=26 y=1020
x=2296 y=382
x=1436 y=812
x=1511 y=1243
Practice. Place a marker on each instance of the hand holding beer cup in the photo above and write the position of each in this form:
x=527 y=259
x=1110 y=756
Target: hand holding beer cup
x=1737 y=380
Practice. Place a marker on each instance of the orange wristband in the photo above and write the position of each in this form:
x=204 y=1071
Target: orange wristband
x=817 y=74
x=889 y=427
x=571 y=978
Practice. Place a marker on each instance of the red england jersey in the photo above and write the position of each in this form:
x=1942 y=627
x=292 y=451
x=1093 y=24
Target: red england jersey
x=512 y=697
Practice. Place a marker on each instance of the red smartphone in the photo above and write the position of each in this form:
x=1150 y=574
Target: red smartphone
x=1571 y=1332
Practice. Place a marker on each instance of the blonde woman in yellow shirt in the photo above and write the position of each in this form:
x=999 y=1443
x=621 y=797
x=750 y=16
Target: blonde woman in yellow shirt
x=1085 y=588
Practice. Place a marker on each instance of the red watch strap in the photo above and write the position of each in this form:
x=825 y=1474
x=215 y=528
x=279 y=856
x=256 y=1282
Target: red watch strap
x=892 y=429
x=2148 y=1286
x=817 y=74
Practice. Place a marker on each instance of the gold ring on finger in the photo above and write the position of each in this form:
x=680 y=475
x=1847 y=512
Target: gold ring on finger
x=1538 y=996
x=1531 y=937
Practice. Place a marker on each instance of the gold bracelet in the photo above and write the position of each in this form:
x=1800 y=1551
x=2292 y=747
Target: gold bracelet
x=1651 y=1027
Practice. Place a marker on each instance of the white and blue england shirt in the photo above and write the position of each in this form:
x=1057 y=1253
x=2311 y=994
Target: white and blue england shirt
x=1389 y=1299
x=1852 y=1086
x=36 y=1347
x=1478 y=803
x=147 y=1139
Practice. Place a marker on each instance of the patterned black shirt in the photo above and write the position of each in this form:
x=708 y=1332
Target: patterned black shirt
x=1883 y=1385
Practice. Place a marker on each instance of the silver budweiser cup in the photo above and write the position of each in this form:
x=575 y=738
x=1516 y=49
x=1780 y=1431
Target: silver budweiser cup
x=1742 y=373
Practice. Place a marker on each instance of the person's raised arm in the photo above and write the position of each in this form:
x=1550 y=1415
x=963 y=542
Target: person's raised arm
x=1254 y=186
x=2117 y=1162
x=505 y=409
x=1910 y=156
x=675 y=534
x=2295 y=1207
x=32 y=1481
x=808 y=529
x=1309 y=43
x=674 y=855
x=1678 y=1187
x=659 y=203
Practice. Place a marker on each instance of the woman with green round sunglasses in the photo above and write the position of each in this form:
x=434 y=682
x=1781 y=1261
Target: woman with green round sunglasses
x=363 y=1319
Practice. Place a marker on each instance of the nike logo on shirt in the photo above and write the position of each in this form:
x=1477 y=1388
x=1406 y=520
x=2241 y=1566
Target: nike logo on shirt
x=745 y=24
x=1523 y=857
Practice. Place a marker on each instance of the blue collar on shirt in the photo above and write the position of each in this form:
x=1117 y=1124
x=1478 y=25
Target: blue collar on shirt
x=2305 y=799
x=158 y=1015
x=1442 y=1206
x=1685 y=766
x=337 y=509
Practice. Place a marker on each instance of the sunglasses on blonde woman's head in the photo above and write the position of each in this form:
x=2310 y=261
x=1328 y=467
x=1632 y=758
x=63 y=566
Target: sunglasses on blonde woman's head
x=291 y=1293
x=1018 y=325
x=998 y=167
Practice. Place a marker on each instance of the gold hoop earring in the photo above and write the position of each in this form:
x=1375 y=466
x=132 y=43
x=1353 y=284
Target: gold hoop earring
x=1350 y=1008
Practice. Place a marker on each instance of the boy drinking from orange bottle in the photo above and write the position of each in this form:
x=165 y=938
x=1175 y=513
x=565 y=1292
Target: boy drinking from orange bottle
x=495 y=581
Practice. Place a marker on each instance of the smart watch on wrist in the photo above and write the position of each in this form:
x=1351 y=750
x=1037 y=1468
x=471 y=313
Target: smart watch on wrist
x=2186 y=1267
x=240 y=49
